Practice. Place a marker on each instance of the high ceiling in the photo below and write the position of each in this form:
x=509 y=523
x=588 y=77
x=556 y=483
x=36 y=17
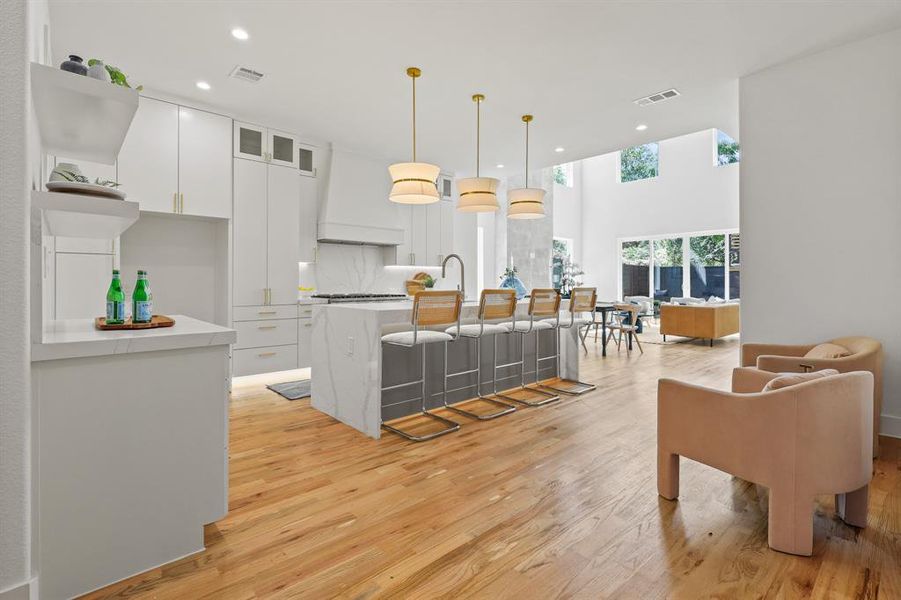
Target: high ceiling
x=335 y=70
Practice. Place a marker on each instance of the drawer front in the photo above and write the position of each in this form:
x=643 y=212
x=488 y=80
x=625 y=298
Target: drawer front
x=264 y=313
x=264 y=360
x=305 y=311
x=255 y=334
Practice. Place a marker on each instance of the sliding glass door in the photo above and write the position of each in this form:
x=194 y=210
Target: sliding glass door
x=708 y=266
x=636 y=263
x=668 y=270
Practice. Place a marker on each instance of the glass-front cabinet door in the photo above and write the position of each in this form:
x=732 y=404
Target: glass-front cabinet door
x=306 y=160
x=250 y=142
x=283 y=149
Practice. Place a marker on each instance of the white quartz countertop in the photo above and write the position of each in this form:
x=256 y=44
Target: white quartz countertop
x=76 y=338
x=398 y=305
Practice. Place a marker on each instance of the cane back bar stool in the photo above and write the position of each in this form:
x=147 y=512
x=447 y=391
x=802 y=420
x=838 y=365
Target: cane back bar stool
x=581 y=300
x=430 y=308
x=543 y=303
x=493 y=305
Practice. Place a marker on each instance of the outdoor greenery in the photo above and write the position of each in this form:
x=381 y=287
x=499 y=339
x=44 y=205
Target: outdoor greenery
x=637 y=253
x=668 y=252
x=563 y=174
x=708 y=250
x=727 y=150
x=639 y=162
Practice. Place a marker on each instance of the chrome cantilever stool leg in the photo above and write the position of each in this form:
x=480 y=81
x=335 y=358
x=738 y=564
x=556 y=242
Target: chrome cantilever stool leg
x=450 y=425
x=573 y=387
x=505 y=408
x=547 y=396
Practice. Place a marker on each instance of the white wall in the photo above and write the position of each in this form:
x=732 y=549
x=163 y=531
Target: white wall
x=690 y=194
x=568 y=211
x=21 y=40
x=821 y=202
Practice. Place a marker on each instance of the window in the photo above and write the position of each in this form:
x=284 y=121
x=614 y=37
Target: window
x=563 y=174
x=636 y=260
x=668 y=269
x=561 y=254
x=734 y=266
x=639 y=162
x=727 y=149
x=708 y=261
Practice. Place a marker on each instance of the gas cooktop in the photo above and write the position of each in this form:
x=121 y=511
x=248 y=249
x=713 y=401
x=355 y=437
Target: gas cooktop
x=360 y=297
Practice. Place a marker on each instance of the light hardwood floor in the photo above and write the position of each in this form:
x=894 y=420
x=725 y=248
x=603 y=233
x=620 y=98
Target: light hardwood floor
x=551 y=502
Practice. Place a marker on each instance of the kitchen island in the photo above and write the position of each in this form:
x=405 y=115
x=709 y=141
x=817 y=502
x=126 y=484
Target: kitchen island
x=350 y=365
x=131 y=449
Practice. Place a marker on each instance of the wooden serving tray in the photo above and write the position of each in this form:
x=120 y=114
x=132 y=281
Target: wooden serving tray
x=155 y=321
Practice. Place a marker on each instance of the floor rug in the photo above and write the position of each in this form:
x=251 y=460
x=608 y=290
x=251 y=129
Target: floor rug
x=292 y=390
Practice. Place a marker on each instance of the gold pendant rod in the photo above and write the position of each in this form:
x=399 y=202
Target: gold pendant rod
x=414 y=72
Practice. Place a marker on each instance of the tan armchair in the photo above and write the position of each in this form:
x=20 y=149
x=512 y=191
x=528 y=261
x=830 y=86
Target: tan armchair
x=800 y=441
x=866 y=355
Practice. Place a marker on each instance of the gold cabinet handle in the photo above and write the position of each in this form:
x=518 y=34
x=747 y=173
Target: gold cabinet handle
x=265 y=354
x=307 y=324
x=181 y=203
x=267 y=326
x=175 y=202
x=266 y=312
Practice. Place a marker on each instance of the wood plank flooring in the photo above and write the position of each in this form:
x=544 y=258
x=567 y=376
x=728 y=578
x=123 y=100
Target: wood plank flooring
x=551 y=502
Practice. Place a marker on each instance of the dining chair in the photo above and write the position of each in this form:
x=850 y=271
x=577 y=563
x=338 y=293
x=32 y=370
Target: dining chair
x=625 y=321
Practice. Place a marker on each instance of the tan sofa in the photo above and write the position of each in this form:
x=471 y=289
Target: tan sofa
x=866 y=355
x=705 y=321
x=800 y=441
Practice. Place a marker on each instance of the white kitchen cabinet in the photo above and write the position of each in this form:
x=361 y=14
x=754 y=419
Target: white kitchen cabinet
x=428 y=234
x=447 y=229
x=177 y=159
x=419 y=235
x=204 y=163
x=283 y=234
x=262 y=144
x=304 y=343
x=148 y=161
x=433 y=234
x=309 y=212
x=249 y=230
x=266 y=359
x=81 y=284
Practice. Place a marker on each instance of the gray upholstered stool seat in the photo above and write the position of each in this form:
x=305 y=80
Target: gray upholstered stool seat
x=423 y=336
x=477 y=330
x=528 y=327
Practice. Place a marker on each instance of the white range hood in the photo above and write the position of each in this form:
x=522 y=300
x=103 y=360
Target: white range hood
x=356 y=209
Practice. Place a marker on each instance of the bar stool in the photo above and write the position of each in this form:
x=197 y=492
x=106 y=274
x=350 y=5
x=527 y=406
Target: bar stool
x=493 y=305
x=543 y=303
x=582 y=300
x=429 y=308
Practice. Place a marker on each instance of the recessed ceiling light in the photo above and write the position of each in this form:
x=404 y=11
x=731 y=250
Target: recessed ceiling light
x=500 y=166
x=239 y=34
x=559 y=149
x=641 y=127
x=203 y=85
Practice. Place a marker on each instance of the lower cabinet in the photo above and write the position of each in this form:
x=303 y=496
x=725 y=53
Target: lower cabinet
x=267 y=359
x=304 y=343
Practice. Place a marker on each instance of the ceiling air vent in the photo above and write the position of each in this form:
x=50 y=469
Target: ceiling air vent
x=245 y=74
x=658 y=97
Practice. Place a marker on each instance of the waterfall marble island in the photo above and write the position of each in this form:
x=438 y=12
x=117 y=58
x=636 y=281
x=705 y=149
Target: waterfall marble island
x=351 y=365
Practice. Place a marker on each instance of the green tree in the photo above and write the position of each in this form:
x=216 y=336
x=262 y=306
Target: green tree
x=728 y=152
x=668 y=252
x=637 y=253
x=638 y=162
x=708 y=250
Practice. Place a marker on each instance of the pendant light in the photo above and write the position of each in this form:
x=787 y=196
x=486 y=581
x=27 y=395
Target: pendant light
x=526 y=202
x=478 y=194
x=413 y=182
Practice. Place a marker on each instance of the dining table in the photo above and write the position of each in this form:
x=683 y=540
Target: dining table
x=602 y=308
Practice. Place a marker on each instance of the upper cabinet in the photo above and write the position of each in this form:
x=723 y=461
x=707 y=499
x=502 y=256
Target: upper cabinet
x=148 y=161
x=204 y=163
x=277 y=147
x=177 y=160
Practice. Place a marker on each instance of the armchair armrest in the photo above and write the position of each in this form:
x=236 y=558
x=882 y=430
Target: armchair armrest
x=750 y=352
x=750 y=380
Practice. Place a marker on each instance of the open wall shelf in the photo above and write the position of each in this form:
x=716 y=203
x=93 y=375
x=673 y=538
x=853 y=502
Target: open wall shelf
x=79 y=215
x=80 y=117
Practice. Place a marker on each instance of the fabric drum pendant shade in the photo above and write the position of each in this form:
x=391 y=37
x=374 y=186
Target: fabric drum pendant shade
x=414 y=183
x=478 y=194
x=526 y=203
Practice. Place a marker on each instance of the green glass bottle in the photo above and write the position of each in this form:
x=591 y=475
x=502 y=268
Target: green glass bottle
x=115 y=301
x=142 y=300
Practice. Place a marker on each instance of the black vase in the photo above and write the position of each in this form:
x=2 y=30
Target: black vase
x=74 y=65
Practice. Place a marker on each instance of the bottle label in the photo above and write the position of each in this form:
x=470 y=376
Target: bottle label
x=143 y=311
x=115 y=311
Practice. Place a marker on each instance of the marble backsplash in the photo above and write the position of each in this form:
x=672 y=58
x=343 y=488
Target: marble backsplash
x=345 y=268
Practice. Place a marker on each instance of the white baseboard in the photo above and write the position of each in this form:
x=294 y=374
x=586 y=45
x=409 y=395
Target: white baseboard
x=23 y=591
x=890 y=425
